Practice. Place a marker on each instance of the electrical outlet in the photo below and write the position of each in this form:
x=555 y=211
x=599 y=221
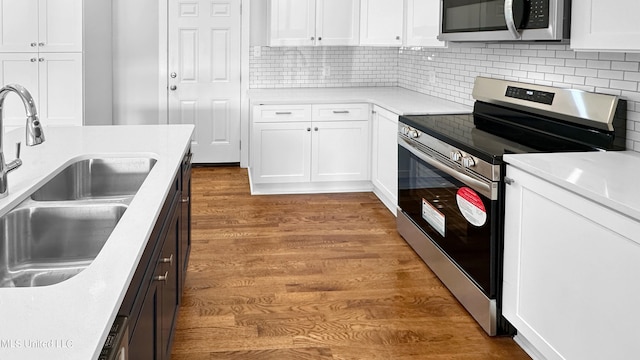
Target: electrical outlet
x=431 y=75
x=326 y=70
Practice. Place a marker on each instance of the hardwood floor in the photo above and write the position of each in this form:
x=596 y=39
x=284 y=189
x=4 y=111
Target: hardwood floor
x=313 y=277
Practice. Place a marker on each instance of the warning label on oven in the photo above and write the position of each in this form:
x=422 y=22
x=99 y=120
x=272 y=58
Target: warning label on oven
x=434 y=217
x=471 y=206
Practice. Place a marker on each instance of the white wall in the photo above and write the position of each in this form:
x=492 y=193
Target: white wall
x=136 y=79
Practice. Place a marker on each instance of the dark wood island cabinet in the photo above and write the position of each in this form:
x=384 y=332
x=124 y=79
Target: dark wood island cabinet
x=154 y=295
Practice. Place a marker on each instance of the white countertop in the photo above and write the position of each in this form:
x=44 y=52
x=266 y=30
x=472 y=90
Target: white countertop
x=70 y=320
x=608 y=178
x=395 y=99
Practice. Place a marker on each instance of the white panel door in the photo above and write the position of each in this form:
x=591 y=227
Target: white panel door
x=60 y=25
x=293 y=22
x=18 y=68
x=340 y=151
x=338 y=22
x=18 y=25
x=381 y=22
x=204 y=70
x=605 y=25
x=60 y=76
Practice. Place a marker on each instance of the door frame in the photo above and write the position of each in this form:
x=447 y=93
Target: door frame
x=245 y=110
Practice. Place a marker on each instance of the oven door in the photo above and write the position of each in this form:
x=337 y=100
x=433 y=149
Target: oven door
x=450 y=208
x=494 y=20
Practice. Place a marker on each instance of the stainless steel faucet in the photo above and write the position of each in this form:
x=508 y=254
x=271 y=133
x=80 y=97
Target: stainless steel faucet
x=34 y=133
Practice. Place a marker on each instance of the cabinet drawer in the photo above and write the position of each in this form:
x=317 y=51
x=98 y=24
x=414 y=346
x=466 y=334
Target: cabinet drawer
x=332 y=112
x=281 y=113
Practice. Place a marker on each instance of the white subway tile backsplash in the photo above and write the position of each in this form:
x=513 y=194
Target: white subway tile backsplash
x=456 y=67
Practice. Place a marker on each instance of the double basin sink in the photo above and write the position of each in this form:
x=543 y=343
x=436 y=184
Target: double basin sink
x=61 y=227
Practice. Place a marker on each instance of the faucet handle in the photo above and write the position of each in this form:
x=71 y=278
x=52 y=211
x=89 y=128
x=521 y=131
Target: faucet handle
x=18 y=145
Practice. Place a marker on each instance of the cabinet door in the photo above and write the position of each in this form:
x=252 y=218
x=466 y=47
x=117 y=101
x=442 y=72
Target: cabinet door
x=60 y=80
x=605 y=25
x=281 y=152
x=293 y=23
x=143 y=342
x=18 y=25
x=340 y=151
x=18 y=68
x=384 y=171
x=338 y=22
x=423 y=23
x=381 y=22
x=60 y=27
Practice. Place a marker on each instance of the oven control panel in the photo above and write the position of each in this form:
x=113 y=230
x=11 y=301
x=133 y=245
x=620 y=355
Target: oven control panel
x=542 y=97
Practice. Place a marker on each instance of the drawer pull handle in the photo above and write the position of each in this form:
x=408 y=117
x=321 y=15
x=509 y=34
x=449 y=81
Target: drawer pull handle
x=162 y=277
x=168 y=260
x=283 y=112
x=340 y=111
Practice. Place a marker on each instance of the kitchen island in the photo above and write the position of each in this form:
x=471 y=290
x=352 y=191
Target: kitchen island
x=71 y=319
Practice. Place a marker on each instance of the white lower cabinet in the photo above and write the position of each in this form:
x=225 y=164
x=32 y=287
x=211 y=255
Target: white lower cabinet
x=53 y=79
x=570 y=272
x=310 y=144
x=384 y=165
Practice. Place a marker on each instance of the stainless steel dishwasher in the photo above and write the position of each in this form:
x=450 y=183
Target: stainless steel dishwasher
x=116 y=347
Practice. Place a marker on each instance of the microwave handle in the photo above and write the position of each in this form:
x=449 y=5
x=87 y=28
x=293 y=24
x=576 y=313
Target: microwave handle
x=509 y=19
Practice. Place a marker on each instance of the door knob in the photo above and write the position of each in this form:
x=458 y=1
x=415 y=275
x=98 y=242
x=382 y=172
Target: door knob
x=173 y=88
x=173 y=75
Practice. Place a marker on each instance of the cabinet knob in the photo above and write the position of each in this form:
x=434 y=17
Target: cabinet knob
x=33 y=59
x=168 y=260
x=34 y=44
x=320 y=38
x=308 y=129
x=162 y=277
x=397 y=37
x=41 y=59
x=508 y=180
x=312 y=38
x=41 y=44
x=315 y=128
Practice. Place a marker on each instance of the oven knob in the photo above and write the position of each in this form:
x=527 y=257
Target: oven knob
x=455 y=156
x=414 y=134
x=468 y=162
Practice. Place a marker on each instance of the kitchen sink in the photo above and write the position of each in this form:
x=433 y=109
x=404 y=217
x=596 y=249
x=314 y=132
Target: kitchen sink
x=43 y=245
x=59 y=230
x=96 y=178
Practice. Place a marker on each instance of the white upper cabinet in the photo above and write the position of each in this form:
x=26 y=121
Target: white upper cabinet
x=293 y=23
x=605 y=25
x=338 y=22
x=381 y=22
x=305 y=22
x=422 y=23
x=45 y=25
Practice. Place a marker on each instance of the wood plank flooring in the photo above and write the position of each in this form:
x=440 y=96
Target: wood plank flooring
x=313 y=277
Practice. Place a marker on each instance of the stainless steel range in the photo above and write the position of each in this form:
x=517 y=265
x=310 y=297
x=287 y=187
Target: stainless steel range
x=450 y=177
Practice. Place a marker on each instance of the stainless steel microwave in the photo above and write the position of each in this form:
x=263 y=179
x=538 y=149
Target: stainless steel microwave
x=504 y=20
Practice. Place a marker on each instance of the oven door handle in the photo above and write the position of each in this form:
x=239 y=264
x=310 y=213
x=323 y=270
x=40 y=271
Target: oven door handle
x=487 y=189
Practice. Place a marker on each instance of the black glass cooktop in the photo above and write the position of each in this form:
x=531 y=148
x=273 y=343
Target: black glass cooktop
x=493 y=133
x=460 y=131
